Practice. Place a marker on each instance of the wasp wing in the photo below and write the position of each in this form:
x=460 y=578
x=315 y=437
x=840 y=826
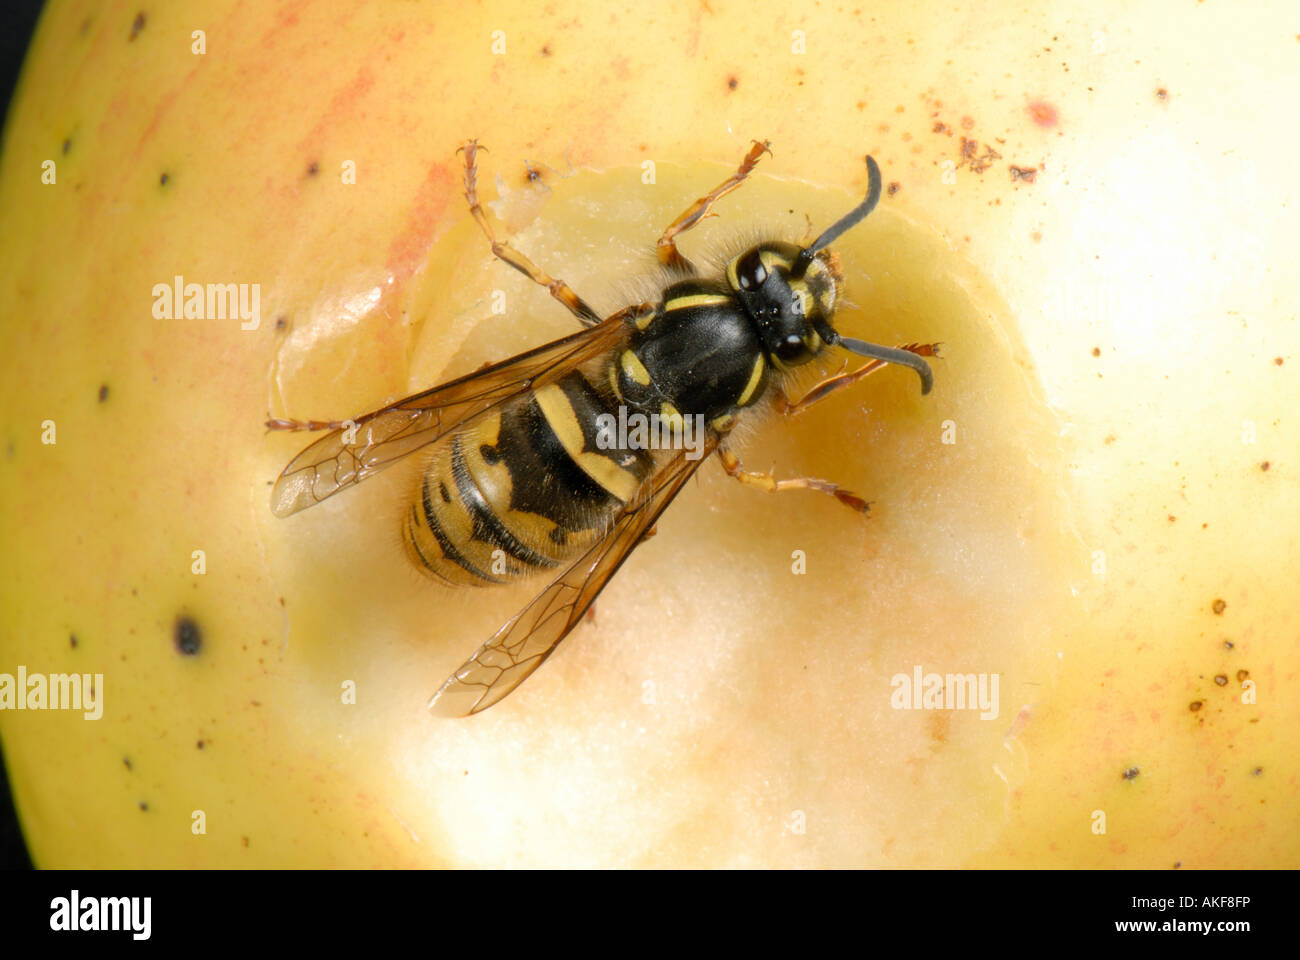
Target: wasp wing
x=532 y=635
x=348 y=455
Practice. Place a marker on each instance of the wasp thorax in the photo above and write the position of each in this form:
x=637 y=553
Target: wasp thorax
x=792 y=313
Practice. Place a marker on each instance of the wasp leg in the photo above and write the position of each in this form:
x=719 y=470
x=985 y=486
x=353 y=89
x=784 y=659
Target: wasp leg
x=697 y=211
x=828 y=386
x=276 y=423
x=560 y=290
x=765 y=481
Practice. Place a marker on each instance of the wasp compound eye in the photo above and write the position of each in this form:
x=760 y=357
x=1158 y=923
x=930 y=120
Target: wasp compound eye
x=750 y=272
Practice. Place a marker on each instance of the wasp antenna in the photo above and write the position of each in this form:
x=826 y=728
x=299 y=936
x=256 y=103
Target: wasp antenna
x=848 y=221
x=904 y=358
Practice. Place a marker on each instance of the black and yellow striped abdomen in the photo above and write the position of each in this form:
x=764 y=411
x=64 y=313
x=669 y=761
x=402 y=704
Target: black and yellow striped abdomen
x=523 y=488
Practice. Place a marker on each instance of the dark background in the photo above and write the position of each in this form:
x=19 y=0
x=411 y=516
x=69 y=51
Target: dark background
x=19 y=19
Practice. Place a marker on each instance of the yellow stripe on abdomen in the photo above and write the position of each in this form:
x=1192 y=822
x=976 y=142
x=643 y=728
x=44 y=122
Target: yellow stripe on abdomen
x=559 y=414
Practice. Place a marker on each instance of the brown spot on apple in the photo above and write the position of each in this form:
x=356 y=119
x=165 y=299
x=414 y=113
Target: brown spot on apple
x=187 y=636
x=937 y=726
x=1043 y=113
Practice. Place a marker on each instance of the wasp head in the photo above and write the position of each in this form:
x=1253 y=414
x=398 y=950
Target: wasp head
x=789 y=293
x=792 y=311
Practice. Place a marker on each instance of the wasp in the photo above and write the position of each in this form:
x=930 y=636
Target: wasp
x=524 y=471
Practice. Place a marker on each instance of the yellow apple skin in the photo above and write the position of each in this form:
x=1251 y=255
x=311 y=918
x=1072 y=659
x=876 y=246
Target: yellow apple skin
x=1119 y=355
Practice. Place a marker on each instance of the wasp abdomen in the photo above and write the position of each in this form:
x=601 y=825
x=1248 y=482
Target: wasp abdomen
x=523 y=488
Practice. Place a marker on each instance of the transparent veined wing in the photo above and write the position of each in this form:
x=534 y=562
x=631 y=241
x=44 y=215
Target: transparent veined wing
x=524 y=643
x=347 y=455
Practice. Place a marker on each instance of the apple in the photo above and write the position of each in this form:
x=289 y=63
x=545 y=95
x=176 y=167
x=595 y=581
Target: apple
x=1093 y=514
